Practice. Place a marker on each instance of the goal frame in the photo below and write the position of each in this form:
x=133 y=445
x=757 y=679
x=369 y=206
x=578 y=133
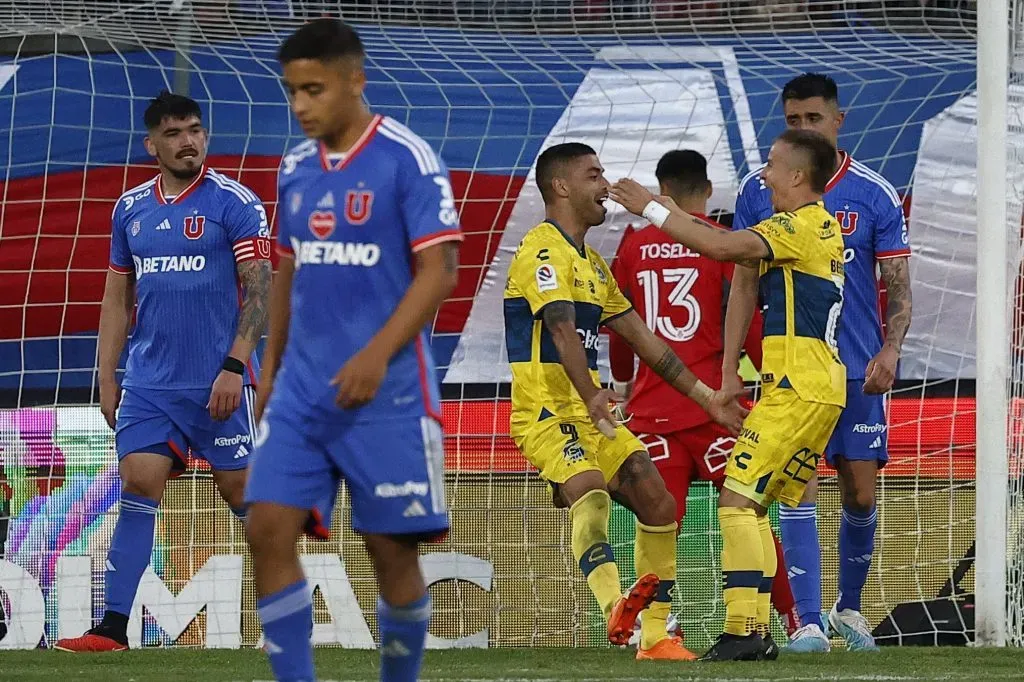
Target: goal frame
x=993 y=311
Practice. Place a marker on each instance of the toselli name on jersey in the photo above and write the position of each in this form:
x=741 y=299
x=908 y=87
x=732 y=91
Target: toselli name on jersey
x=335 y=253
x=151 y=264
x=675 y=250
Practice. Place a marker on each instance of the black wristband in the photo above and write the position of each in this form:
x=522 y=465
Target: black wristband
x=233 y=365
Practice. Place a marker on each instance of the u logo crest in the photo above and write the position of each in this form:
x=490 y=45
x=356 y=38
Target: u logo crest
x=358 y=203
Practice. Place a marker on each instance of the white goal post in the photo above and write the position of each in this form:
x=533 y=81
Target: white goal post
x=993 y=328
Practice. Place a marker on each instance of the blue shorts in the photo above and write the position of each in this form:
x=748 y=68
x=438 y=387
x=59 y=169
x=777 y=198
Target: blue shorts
x=862 y=433
x=178 y=423
x=394 y=471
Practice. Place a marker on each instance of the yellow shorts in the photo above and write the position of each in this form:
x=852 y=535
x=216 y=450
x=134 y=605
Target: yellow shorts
x=779 y=447
x=562 y=448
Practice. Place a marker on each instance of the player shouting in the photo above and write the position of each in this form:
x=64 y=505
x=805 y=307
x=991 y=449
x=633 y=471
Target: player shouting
x=874 y=232
x=681 y=295
x=368 y=236
x=800 y=253
x=558 y=295
x=181 y=246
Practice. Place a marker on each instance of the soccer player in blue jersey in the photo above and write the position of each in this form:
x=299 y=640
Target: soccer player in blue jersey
x=368 y=235
x=874 y=234
x=190 y=248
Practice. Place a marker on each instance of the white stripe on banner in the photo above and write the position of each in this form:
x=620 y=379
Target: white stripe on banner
x=433 y=452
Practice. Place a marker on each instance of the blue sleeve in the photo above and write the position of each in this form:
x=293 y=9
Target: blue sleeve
x=891 y=239
x=428 y=204
x=284 y=200
x=246 y=222
x=748 y=210
x=120 y=253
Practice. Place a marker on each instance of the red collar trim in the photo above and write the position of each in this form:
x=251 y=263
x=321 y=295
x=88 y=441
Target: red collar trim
x=844 y=166
x=183 y=193
x=359 y=145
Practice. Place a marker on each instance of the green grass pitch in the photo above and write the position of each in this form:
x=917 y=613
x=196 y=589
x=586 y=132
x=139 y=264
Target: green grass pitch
x=512 y=665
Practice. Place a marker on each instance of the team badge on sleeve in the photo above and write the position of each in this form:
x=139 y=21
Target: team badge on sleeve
x=547 y=280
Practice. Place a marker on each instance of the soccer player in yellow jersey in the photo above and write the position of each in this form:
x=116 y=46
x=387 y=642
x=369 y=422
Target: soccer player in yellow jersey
x=559 y=293
x=799 y=251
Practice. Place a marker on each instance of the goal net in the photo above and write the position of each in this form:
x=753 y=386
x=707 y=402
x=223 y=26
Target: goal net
x=488 y=85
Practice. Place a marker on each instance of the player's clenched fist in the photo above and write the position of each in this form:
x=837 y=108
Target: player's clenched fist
x=360 y=379
x=226 y=395
x=110 y=396
x=600 y=411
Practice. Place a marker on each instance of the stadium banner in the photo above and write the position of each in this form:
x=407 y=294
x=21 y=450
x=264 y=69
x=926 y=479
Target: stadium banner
x=504 y=576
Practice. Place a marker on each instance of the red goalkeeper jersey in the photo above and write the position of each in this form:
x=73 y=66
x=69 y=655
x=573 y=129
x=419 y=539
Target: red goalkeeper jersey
x=681 y=295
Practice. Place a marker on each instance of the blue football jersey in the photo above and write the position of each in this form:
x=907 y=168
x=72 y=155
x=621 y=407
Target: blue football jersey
x=353 y=224
x=183 y=252
x=874 y=228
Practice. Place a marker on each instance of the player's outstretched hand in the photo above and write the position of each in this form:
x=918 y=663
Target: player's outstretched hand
x=226 y=395
x=881 y=371
x=360 y=379
x=724 y=408
x=110 y=397
x=631 y=195
x=600 y=409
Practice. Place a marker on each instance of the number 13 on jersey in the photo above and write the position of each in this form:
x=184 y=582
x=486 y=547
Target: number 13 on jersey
x=681 y=296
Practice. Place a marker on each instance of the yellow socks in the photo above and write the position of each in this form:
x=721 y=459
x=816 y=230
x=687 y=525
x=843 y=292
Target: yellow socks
x=771 y=565
x=589 y=517
x=742 y=567
x=655 y=552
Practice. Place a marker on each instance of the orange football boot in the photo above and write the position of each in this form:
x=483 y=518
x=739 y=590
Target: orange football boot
x=89 y=643
x=623 y=616
x=668 y=649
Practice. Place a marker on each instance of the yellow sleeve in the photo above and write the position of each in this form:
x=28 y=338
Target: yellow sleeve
x=542 y=272
x=779 y=232
x=615 y=302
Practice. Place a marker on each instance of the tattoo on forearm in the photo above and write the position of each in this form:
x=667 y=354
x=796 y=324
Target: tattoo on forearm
x=451 y=257
x=896 y=275
x=252 y=320
x=558 y=313
x=669 y=366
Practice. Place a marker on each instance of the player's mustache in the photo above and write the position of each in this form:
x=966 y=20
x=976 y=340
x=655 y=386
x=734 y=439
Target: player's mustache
x=188 y=151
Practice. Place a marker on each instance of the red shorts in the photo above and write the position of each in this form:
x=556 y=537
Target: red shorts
x=697 y=454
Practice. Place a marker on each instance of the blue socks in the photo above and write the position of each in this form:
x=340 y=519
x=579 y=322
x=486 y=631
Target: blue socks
x=287 y=618
x=803 y=559
x=856 y=547
x=130 y=550
x=403 y=631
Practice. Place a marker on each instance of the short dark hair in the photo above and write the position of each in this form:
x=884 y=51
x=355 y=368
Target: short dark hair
x=810 y=85
x=551 y=161
x=169 y=105
x=684 y=171
x=322 y=39
x=818 y=152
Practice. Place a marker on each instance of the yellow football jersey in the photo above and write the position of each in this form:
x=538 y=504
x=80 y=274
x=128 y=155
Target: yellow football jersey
x=801 y=292
x=548 y=267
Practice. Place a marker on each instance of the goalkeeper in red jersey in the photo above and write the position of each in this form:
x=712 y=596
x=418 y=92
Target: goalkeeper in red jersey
x=681 y=295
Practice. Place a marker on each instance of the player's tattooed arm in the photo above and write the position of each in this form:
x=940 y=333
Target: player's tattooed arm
x=255 y=276
x=741 y=246
x=655 y=353
x=896 y=276
x=560 y=320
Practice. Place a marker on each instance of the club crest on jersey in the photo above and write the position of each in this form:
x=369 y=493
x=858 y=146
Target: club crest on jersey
x=358 y=203
x=296 y=202
x=322 y=224
x=848 y=221
x=194 y=226
x=136 y=226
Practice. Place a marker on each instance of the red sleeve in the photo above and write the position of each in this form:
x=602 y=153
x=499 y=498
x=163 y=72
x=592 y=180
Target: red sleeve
x=620 y=355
